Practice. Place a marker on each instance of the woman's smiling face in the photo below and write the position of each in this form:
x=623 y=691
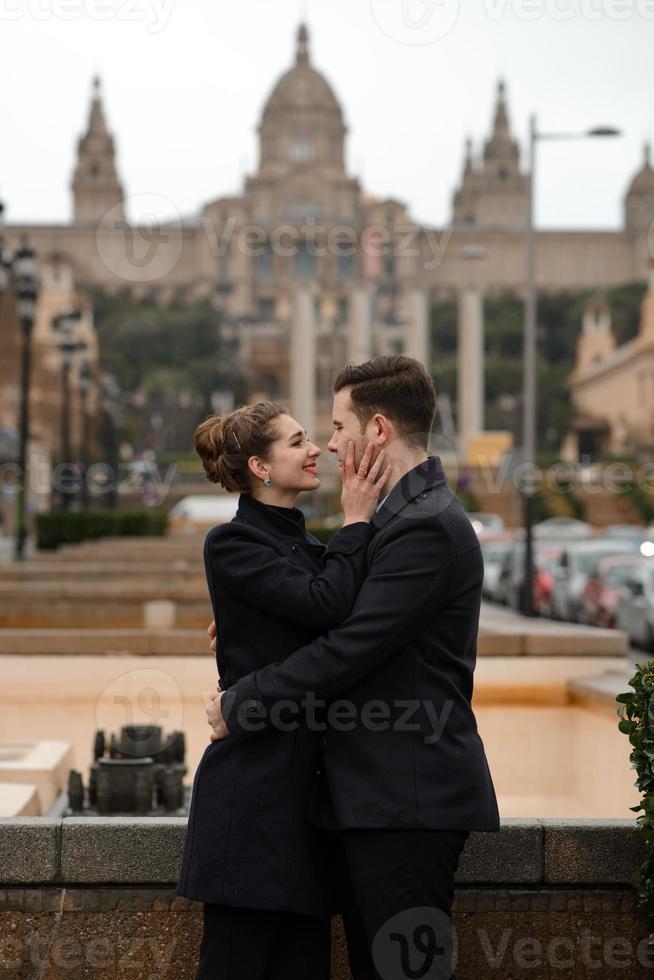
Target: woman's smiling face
x=292 y=461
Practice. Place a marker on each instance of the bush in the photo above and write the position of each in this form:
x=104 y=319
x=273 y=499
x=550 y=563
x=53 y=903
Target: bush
x=641 y=500
x=636 y=711
x=467 y=499
x=63 y=527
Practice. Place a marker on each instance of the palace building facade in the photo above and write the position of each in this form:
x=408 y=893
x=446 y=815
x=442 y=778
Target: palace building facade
x=304 y=260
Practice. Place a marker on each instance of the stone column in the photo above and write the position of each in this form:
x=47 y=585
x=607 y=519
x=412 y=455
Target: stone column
x=359 y=332
x=302 y=356
x=417 y=326
x=470 y=362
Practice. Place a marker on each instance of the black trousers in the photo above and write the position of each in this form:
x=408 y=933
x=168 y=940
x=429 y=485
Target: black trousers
x=397 y=888
x=249 y=944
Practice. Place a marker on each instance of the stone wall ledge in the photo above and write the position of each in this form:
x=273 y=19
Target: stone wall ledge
x=147 y=851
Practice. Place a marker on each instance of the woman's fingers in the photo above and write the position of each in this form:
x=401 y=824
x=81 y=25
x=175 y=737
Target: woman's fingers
x=365 y=461
x=374 y=469
x=349 y=459
x=384 y=477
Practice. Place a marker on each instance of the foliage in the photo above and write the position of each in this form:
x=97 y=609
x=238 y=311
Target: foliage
x=541 y=507
x=167 y=360
x=467 y=499
x=561 y=500
x=70 y=527
x=636 y=710
x=559 y=325
x=641 y=500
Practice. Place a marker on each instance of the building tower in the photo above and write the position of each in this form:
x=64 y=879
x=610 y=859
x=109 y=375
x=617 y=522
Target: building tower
x=639 y=199
x=95 y=185
x=466 y=197
x=302 y=147
x=597 y=340
x=495 y=193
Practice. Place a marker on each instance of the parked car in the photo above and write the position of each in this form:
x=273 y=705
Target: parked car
x=512 y=576
x=575 y=566
x=602 y=590
x=546 y=559
x=563 y=529
x=634 y=611
x=486 y=523
x=625 y=531
x=202 y=511
x=494 y=548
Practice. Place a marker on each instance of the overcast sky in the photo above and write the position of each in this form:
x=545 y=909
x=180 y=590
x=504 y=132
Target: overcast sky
x=185 y=81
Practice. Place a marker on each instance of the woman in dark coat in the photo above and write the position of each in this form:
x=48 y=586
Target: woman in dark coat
x=263 y=872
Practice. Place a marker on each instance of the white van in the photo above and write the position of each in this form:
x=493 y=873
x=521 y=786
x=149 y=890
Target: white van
x=202 y=511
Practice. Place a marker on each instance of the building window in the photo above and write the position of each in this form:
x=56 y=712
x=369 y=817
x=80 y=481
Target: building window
x=345 y=260
x=269 y=384
x=266 y=309
x=265 y=261
x=345 y=266
x=343 y=310
x=302 y=148
x=305 y=262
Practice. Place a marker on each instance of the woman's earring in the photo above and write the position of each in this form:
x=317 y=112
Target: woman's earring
x=267 y=482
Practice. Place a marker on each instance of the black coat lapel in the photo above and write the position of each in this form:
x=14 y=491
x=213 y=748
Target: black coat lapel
x=420 y=479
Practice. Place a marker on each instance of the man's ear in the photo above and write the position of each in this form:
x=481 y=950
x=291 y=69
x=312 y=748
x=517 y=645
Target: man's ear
x=383 y=428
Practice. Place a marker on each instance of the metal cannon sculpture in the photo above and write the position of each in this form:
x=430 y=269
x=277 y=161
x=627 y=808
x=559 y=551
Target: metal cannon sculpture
x=140 y=772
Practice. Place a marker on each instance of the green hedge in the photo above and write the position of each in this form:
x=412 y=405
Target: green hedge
x=641 y=500
x=467 y=499
x=63 y=527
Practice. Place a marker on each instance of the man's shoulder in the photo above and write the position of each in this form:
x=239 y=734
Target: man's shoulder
x=436 y=513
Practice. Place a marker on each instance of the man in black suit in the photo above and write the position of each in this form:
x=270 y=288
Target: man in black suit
x=404 y=777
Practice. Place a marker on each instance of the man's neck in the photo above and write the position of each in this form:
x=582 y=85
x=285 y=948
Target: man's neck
x=402 y=462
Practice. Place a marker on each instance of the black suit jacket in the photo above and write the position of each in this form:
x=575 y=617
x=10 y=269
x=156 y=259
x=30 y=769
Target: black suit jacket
x=402 y=749
x=273 y=587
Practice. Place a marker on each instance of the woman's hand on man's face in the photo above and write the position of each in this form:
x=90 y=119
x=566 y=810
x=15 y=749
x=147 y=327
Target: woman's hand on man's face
x=362 y=485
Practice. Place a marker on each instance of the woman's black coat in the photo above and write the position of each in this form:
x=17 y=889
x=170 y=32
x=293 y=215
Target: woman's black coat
x=273 y=587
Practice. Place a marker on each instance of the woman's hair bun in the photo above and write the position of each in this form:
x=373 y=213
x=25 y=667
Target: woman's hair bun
x=225 y=443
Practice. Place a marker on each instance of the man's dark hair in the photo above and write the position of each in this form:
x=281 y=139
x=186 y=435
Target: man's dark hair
x=397 y=387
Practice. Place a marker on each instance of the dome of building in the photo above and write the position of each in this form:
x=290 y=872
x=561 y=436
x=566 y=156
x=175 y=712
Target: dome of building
x=302 y=87
x=643 y=182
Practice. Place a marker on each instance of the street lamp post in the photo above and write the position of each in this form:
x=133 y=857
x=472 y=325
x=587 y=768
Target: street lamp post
x=25 y=284
x=64 y=324
x=110 y=422
x=85 y=383
x=529 y=375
